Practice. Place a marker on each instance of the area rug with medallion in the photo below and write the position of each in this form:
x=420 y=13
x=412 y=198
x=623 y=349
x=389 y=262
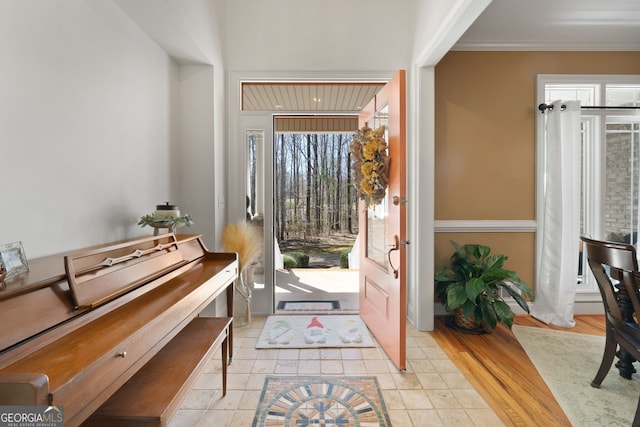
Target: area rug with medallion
x=313 y=401
x=314 y=331
x=568 y=362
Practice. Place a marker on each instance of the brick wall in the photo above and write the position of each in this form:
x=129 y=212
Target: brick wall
x=621 y=189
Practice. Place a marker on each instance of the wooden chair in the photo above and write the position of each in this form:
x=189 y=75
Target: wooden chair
x=609 y=260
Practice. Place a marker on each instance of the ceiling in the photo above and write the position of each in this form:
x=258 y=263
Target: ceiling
x=556 y=25
x=309 y=97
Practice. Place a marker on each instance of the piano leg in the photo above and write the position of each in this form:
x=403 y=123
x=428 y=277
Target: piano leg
x=230 y=296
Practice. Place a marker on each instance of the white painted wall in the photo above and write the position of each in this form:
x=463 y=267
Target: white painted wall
x=198 y=163
x=193 y=158
x=191 y=32
x=328 y=35
x=87 y=117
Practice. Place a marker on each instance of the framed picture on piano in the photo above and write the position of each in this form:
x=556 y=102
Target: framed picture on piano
x=13 y=259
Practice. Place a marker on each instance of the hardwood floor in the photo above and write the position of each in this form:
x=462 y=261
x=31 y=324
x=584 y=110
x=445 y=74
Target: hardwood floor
x=502 y=373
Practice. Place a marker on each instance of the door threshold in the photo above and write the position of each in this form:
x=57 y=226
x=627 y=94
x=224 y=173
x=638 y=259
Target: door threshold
x=318 y=312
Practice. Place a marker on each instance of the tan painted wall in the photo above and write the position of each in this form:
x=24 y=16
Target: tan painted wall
x=485 y=141
x=519 y=256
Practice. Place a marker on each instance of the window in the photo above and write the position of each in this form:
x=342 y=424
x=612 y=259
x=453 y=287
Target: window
x=610 y=155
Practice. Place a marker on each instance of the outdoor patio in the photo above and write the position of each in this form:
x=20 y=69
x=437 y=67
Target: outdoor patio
x=318 y=284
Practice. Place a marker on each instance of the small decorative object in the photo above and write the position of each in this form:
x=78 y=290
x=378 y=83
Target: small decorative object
x=13 y=260
x=166 y=216
x=167 y=210
x=246 y=241
x=370 y=164
x=471 y=288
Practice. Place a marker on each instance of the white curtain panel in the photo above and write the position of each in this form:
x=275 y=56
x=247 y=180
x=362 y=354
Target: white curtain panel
x=560 y=227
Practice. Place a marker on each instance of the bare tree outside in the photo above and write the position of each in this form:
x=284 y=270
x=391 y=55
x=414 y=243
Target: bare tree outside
x=315 y=204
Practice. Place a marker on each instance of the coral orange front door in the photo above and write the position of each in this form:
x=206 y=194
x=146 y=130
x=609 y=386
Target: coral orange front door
x=383 y=304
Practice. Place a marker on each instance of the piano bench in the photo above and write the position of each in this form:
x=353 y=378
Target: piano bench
x=153 y=395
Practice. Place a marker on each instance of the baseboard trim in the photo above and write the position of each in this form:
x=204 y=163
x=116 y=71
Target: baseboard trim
x=586 y=303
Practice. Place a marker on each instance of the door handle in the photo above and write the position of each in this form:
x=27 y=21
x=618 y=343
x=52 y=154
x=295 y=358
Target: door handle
x=395 y=246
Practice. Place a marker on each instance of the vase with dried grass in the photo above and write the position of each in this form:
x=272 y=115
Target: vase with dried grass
x=246 y=241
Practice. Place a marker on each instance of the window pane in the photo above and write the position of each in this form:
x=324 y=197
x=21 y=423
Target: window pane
x=378 y=215
x=377 y=226
x=255 y=146
x=584 y=138
x=623 y=95
x=586 y=94
x=621 y=181
x=585 y=134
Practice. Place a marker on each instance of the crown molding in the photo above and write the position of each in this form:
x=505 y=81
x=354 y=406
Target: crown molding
x=528 y=46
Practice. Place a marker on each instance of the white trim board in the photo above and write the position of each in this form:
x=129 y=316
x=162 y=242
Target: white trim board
x=486 y=226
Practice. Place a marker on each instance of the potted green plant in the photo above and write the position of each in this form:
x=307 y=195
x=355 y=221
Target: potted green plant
x=471 y=288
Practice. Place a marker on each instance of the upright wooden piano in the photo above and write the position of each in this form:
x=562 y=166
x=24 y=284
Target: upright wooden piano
x=78 y=328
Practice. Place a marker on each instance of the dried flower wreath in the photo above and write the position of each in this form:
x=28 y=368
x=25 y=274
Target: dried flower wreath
x=370 y=164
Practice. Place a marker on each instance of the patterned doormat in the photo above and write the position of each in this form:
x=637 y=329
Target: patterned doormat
x=309 y=305
x=320 y=401
x=314 y=331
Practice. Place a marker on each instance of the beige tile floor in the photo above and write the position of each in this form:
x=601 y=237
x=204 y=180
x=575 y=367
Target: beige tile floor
x=431 y=392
